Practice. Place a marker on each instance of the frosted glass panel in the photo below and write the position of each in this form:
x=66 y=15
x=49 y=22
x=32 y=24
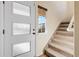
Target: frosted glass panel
x=20 y=28
x=21 y=48
x=21 y=9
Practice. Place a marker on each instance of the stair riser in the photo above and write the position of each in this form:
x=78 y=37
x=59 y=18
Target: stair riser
x=64 y=37
x=49 y=55
x=65 y=33
x=63 y=26
x=62 y=29
x=65 y=23
x=60 y=51
x=64 y=43
x=70 y=40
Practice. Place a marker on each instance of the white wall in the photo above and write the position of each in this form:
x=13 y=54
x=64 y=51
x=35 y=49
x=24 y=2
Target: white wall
x=55 y=14
x=69 y=11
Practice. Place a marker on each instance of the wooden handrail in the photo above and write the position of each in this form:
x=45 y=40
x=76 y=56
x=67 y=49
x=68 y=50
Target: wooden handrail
x=42 y=7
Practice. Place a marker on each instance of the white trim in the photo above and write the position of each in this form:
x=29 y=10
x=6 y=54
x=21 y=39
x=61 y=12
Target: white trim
x=70 y=25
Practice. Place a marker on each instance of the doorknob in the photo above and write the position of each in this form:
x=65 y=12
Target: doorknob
x=33 y=33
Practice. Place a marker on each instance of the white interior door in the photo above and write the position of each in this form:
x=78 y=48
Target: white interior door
x=19 y=23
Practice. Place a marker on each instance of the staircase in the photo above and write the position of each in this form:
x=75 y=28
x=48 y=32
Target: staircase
x=62 y=45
